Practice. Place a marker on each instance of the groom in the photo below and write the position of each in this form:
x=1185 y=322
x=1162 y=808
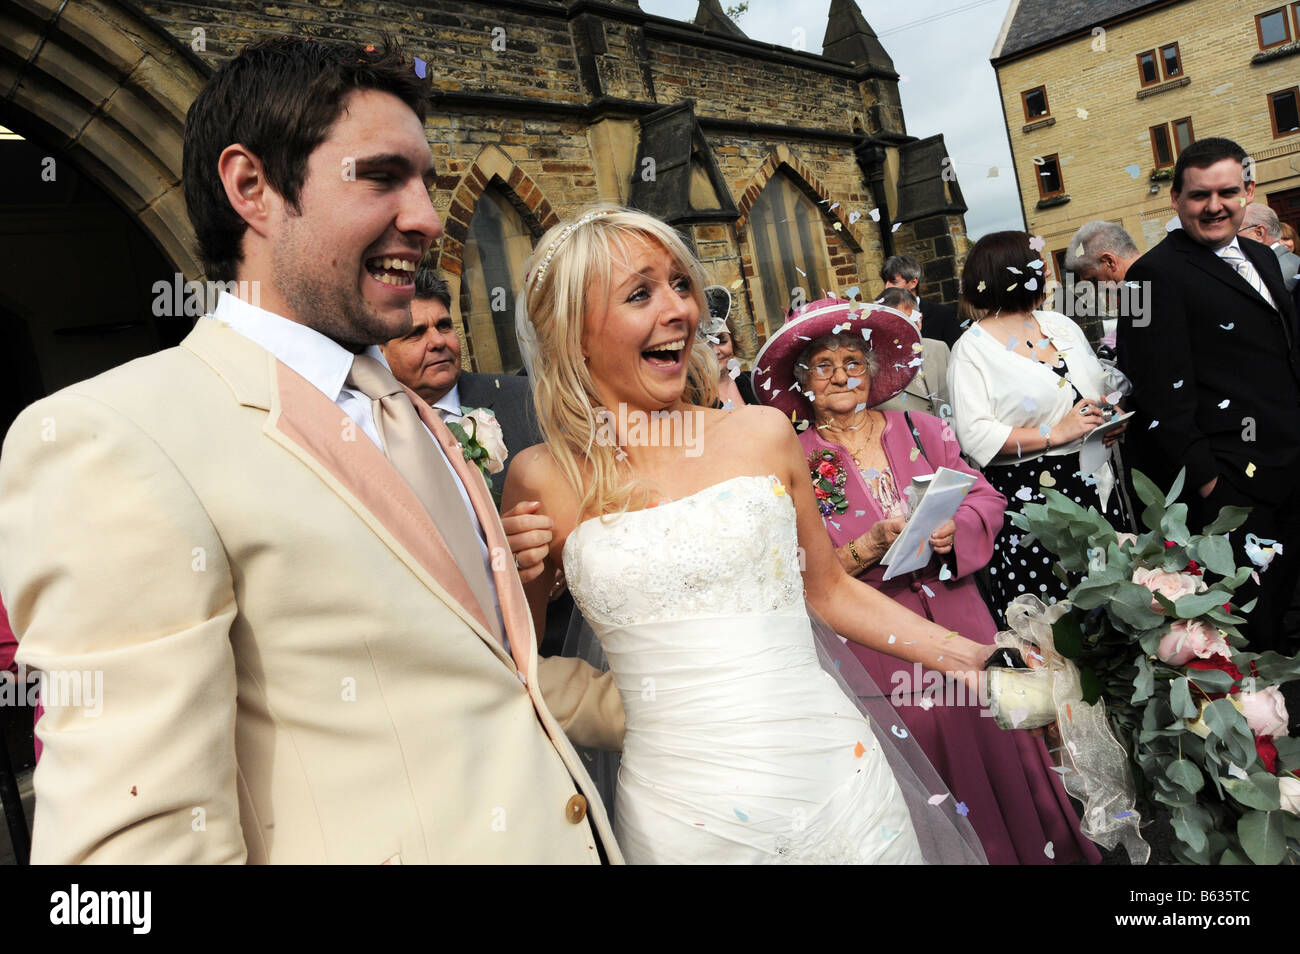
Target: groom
x=313 y=643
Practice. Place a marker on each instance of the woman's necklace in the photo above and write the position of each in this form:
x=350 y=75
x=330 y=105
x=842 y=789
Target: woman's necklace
x=856 y=449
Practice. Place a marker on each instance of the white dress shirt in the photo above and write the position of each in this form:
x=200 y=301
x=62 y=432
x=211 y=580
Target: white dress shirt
x=325 y=364
x=449 y=404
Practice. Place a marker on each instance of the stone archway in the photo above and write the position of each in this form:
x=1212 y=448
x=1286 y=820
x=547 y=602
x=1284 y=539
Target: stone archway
x=108 y=87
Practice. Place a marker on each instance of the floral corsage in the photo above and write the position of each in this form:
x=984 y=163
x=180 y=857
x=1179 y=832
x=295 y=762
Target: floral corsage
x=829 y=478
x=483 y=443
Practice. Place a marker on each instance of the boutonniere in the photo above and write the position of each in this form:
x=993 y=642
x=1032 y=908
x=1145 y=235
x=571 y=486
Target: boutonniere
x=481 y=440
x=828 y=477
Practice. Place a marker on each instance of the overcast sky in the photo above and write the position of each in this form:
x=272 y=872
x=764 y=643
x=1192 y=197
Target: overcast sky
x=941 y=49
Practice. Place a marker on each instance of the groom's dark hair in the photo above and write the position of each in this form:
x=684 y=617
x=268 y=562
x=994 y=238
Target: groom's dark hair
x=279 y=98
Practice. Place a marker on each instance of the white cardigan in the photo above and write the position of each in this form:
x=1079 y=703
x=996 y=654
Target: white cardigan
x=994 y=390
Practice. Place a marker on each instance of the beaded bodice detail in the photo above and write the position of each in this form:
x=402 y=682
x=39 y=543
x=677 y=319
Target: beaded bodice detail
x=729 y=550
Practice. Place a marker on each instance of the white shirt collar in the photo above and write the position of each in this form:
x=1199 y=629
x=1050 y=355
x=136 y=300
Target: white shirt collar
x=450 y=402
x=322 y=361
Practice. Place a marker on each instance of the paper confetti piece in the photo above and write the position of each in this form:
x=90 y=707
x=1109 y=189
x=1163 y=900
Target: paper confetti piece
x=838 y=227
x=1038 y=160
x=1036 y=264
x=896 y=227
x=741 y=815
x=1133 y=170
x=778 y=488
x=993 y=172
x=1081 y=113
x=928 y=592
x=1153 y=425
x=1048 y=850
x=854 y=216
x=937 y=799
x=899 y=731
x=886 y=834
x=916 y=452
x=1229 y=326
x=892 y=639
x=980 y=287
x=874 y=214
x=962 y=810
x=945 y=572
x=1250 y=469
x=1224 y=403
x=1178 y=384
x=1126 y=814
x=1024 y=493
x=1013 y=270
x=1046 y=479
x=1031 y=284
x=859 y=750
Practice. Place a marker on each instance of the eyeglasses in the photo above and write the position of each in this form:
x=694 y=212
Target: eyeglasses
x=825 y=370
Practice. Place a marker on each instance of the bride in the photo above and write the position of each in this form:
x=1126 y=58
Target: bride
x=690 y=539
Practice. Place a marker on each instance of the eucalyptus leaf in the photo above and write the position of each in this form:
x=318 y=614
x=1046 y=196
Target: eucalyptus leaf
x=1177 y=488
x=1230 y=857
x=1174 y=525
x=1147 y=491
x=1215 y=554
x=1186 y=775
x=1189 y=832
x=1229 y=518
x=1144 y=682
x=1197 y=604
x=1180 y=699
x=1288 y=753
x=1261 y=837
x=1253 y=791
x=1211 y=680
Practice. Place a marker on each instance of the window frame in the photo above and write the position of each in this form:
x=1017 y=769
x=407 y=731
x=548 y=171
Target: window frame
x=1259 y=27
x=1173 y=138
x=1272 y=114
x=1169 y=146
x=1155 y=63
x=1038 y=176
x=1024 y=104
x=1178 y=56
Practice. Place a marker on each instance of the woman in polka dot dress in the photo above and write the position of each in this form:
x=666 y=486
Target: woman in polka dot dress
x=1026 y=390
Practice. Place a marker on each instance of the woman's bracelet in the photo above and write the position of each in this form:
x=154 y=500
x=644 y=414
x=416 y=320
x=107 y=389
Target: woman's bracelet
x=1049 y=442
x=853 y=552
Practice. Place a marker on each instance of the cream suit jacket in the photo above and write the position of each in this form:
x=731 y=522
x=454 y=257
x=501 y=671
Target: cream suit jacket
x=294 y=670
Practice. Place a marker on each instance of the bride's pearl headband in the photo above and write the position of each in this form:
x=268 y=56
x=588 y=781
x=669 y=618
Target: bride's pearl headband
x=568 y=230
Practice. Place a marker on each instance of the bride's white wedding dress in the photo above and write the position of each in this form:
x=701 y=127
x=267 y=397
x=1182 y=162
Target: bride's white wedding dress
x=740 y=747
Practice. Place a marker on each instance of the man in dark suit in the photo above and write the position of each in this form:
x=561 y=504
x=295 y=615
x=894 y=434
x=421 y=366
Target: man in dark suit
x=1216 y=374
x=938 y=321
x=428 y=362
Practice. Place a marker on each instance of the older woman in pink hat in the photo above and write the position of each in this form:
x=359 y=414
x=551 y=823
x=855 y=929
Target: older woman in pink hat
x=827 y=368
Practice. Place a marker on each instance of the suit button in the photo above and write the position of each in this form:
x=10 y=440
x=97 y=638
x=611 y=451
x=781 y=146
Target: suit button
x=576 y=809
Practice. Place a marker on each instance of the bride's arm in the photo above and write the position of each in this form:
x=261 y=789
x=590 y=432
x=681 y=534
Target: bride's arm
x=527 y=482
x=851 y=607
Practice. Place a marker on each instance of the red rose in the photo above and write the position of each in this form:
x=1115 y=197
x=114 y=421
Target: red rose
x=826 y=469
x=821 y=494
x=1267 y=752
x=1194 y=568
x=1169 y=544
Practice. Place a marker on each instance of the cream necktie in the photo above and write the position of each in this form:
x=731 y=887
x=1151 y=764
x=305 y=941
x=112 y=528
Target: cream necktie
x=1246 y=269
x=410 y=448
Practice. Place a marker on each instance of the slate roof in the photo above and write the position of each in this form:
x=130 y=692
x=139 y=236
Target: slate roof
x=1040 y=21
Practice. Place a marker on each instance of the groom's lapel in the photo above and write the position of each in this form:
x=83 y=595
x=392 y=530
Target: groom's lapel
x=510 y=592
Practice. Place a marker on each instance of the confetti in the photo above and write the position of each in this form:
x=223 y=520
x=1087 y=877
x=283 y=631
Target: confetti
x=778 y=488
x=1031 y=284
x=980 y=287
x=938 y=799
x=1126 y=814
x=837 y=226
x=421 y=68
x=741 y=815
x=962 y=810
x=1250 y=469
x=1012 y=286
x=1013 y=270
x=854 y=216
x=899 y=731
x=892 y=639
x=1229 y=326
x=1134 y=170
x=916 y=452
x=1048 y=850
x=1224 y=403
x=945 y=573
x=993 y=172
x=1113 y=397
x=1079 y=250
x=1036 y=264
x=1038 y=160
x=737 y=284
x=1019 y=715
x=1153 y=425
x=1081 y=113
x=1029 y=404
x=859 y=750
x=927 y=591
x=897 y=226
x=886 y=834
x=874 y=214
x=1024 y=493
x=1046 y=479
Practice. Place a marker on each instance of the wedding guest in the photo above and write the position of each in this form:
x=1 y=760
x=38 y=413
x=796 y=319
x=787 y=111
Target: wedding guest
x=734 y=385
x=927 y=392
x=1289 y=237
x=822 y=371
x=428 y=361
x=941 y=321
x=1262 y=224
x=1100 y=251
x=1026 y=389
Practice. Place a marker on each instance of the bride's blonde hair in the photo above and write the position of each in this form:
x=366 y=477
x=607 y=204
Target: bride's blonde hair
x=568 y=273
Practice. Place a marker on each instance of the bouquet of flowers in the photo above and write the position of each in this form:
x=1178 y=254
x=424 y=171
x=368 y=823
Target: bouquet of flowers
x=1152 y=627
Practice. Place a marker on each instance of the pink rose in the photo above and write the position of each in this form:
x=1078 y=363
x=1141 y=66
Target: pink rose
x=1265 y=711
x=1172 y=586
x=1190 y=638
x=1121 y=537
x=826 y=469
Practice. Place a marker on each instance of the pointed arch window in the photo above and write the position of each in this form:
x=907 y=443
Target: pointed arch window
x=498 y=244
x=791 y=262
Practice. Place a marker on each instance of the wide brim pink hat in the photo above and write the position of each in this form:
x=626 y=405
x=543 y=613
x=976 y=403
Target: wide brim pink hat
x=886 y=333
